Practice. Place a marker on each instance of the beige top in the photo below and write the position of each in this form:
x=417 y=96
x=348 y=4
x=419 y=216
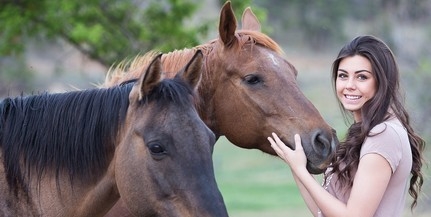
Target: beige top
x=390 y=141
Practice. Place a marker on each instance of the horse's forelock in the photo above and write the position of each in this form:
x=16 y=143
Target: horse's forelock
x=246 y=36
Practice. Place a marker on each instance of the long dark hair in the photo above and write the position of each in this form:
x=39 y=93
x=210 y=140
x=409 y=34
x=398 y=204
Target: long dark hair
x=375 y=111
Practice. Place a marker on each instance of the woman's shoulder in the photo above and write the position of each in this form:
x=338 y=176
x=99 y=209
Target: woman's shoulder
x=389 y=134
x=385 y=134
x=391 y=127
x=388 y=139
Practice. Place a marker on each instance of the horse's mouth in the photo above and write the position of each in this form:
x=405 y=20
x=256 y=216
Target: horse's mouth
x=287 y=143
x=311 y=167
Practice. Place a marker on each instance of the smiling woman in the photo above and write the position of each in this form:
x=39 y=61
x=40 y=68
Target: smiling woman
x=370 y=172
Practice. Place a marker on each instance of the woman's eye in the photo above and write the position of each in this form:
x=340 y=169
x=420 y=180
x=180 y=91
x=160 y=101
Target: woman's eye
x=342 y=75
x=362 y=77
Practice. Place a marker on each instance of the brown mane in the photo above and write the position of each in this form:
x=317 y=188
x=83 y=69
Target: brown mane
x=128 y=68
x=246 y=36
x=174 y=60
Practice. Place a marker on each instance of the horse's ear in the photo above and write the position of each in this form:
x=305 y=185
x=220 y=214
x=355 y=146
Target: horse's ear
x=249 y=20
x=151 y=77
x=227 y=25
x=192 y=72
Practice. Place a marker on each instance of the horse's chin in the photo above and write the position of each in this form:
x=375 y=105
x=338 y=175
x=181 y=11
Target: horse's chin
x=313 y=169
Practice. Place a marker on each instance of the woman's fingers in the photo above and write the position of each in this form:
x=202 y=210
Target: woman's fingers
x=280 y=143
x=294 y=157
x=298 y=143
x=279 y=147
x=275 y=146
x=277 y=139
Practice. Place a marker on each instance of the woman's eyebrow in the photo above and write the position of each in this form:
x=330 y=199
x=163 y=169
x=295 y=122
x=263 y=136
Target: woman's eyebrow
x=356 y=72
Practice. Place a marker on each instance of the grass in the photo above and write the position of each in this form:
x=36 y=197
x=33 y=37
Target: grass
x=255 y=184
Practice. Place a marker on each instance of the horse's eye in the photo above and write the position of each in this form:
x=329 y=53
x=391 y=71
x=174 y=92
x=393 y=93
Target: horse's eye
x=252 y=79
x=156 y=149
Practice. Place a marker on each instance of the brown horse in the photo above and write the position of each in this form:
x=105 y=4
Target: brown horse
x=249 y=90
x=76 y=153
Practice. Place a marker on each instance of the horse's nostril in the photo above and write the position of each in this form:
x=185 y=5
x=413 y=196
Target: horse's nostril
x=321 y=144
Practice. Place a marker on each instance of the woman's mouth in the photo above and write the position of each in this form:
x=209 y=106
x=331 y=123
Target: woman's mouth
x=352 y=97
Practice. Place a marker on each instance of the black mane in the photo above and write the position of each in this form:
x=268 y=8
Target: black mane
x=65 y=132
x=72 y=133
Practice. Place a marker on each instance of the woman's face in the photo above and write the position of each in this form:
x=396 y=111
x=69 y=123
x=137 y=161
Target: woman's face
x=355 y=84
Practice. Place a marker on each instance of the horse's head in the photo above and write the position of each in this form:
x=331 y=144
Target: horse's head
x=255 y=93
x=165 y=157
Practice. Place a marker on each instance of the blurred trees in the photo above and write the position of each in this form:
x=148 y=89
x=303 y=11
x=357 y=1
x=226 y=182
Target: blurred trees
x=321 y=23
x=107 y=31
x=110 y=30
x=317 y=21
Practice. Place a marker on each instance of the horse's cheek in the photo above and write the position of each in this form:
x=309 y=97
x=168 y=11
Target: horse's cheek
x=129 y=155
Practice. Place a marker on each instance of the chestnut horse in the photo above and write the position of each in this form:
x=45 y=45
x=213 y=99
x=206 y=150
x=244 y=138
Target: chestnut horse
x=248 y=90
x=76 y=153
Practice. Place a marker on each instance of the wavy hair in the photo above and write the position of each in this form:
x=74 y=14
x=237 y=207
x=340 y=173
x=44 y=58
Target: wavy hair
x=375 y=111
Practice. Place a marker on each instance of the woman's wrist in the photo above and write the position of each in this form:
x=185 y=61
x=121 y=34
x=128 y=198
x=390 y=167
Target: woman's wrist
x=300 y=172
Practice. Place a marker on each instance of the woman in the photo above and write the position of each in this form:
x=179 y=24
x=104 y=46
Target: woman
x=370 y=170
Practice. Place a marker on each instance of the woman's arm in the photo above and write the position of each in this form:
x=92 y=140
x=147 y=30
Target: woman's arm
x=306 y=196
x=369 y=186
x=370 y=183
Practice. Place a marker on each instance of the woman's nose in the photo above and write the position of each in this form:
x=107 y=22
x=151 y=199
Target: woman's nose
x=350 y=84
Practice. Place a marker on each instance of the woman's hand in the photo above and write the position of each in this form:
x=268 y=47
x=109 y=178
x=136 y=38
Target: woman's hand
x=295 y=158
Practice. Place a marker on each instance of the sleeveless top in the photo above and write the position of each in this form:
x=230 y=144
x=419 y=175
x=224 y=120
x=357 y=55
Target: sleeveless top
x=390 y=140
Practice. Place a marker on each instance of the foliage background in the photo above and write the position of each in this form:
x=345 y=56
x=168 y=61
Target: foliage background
x=61 y=45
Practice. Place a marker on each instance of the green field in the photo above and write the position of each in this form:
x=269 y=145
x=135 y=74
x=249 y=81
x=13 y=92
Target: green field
x=255 y=184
